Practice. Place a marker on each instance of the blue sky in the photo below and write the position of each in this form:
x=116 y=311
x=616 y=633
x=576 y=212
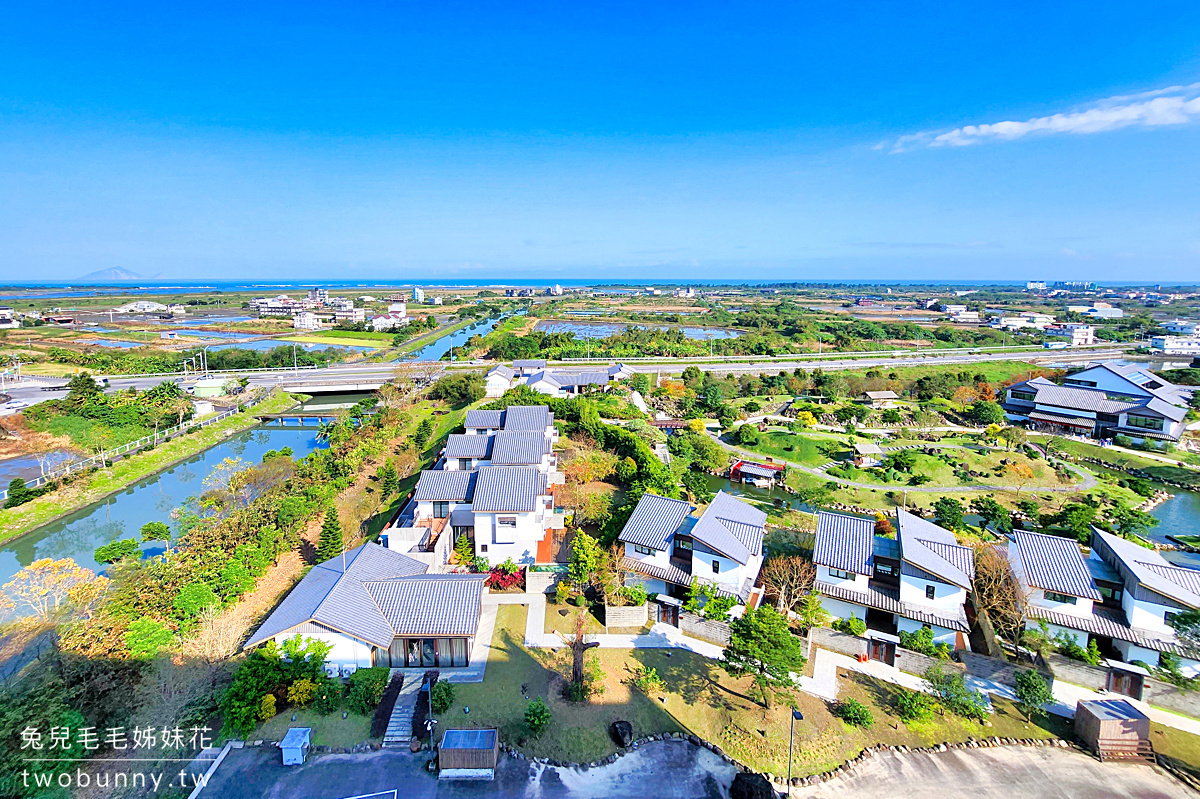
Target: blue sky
x=792 y=141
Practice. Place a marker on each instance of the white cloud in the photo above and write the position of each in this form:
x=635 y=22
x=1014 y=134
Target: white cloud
x=1174 y=105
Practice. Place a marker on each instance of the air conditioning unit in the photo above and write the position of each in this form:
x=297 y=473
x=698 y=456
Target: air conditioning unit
x=331 y=670
x=349 y=668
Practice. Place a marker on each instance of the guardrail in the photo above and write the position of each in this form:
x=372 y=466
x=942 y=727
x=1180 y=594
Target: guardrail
x=161 y=435
x=825 y=356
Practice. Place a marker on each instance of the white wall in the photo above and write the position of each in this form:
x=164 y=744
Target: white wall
x=729 y=573
x=839 y=609
x=1145 y=615
x=1079 y=636
x=652 y=586
x=1082 y=606
x=1108 y=381
x=345 y=649
x=858 y=582
x=659 y=557
x=519 y=543
x=948 y=599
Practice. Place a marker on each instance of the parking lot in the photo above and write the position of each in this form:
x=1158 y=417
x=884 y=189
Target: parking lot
x=661 y=768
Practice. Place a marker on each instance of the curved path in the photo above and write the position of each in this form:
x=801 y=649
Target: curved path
x=1088 y=481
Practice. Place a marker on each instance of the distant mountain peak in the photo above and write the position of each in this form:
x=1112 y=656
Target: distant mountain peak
x=114 y=273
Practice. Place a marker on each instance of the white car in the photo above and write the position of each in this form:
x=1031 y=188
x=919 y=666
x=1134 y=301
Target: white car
x=16 y=405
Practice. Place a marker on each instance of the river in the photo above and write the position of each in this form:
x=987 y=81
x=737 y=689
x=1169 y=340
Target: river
x=1179 y=515
x=122 y=515
x=434 y=350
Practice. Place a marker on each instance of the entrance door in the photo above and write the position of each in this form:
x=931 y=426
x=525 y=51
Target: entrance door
x=668 y=614
x=884 y=651
x=1125 y=682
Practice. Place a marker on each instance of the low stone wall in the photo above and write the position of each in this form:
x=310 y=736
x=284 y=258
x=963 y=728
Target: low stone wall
x=700 y=627
x=906 y=660
x=988 y=668
x=916 y=663
x=1077 y=672
x=1168 y=697
x=543 y=582
x=1155 y=692
x=625 y=616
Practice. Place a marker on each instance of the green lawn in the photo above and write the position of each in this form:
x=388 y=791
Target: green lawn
x=802 y=449
x=700 y=699
x=329 y=730
x=1125 y=460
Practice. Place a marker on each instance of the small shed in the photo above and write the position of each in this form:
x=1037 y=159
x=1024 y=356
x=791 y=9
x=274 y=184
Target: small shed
x=867 y=454
x=468 y=755
x=880 y=399
x=295 y=745
x=1113 y=728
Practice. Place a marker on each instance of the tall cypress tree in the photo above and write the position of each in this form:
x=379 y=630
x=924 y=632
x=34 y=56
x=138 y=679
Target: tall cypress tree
x=330 y=543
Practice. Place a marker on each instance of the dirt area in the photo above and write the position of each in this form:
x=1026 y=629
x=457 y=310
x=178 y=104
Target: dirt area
x=17 y=439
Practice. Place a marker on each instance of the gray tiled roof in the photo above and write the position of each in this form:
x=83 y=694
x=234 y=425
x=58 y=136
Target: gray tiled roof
x=588 y=378
x=432 y=604
x=460 y=445
x=1173 y=412
x=1083 y=399
x=520 y=449
x=338 y=600
x=489 y=420
x=1150 y=568
x=668 y=574
x=520 y=418
x=529 y=363
x=508 y=489
x=654 y=521
x=845 y=543
x=1112 y=624
x=544 y=376
x=1053 y=563
x=934 y=549
x=754 y=470
x=502 y=370
x=731 y=527
x=444 y=486
x=889 y=601
x=1063 y=419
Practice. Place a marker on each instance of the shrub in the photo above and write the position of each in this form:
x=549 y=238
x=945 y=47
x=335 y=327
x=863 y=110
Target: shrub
x=441 y=696
x=853 y=625
x=328 y=695
x=266 y=708
x=111 y=553
x=952 y=691
x=913 y=705
x=502 y=580
x=748 y=435
x=1033 y=694
x=922 y=641
x=537 y=715
x=301 y=692
x=146 y=637
x=646 y=680
x=854 y=713
x=365 y=689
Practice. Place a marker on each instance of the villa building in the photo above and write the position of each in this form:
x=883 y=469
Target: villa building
x=918 y=579
x=552 y=382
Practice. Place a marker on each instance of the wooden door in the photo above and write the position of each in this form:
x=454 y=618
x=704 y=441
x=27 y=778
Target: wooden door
x=1125 y=683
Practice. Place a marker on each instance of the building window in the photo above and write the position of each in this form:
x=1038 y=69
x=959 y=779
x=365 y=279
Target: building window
x=1169 y=618
x=716 y=567
x=1144 y=422
x=641 y=550
x=1028 y=396
x=1054 y=596
x=441 y=510
x=683 y=543
x=506 y=521
x=464 y=464
x=841 y=575
x=930 y=592
x=483 y=549
x=1110 y=594
x=885 y=568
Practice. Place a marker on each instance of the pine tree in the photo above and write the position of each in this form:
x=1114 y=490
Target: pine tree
x=330 y=543
x=464 y=551
x=389 y=480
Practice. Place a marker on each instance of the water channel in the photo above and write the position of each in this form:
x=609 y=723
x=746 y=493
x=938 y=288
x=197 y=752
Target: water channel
x=122 y=515
x=605 y=329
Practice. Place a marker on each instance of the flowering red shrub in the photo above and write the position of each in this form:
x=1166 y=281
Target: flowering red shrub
x=500 y=580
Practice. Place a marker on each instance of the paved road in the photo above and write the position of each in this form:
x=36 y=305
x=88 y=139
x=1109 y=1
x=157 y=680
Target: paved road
x=999 y=773
x=659 y=769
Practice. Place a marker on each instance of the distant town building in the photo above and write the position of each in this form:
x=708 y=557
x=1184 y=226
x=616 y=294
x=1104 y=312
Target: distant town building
x=1077 y=335
x=7 y=319
x=1098 y=310
x=306 y=320
x=350 y=315
x=177 y=308
x=141 y=306
x=1183 y=327
x=1075 y=285
x=341 y=303
x=1176 y=345
x=418 y=295
x=554 y=291
x=318 y=294
x=389 y=321
x=1035 y=285
x=398 y=308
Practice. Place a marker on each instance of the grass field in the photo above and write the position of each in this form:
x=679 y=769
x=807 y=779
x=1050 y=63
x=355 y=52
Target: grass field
x=1127 y=460
x=327 y=730
x=700 y=699
x=359 y=340
x=802 y=449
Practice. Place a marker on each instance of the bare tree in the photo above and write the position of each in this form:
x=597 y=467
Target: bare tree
x=788 y=578
x=999 y=593
x=579 y=646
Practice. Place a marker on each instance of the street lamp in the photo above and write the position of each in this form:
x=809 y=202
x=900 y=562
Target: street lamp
x=796 y=716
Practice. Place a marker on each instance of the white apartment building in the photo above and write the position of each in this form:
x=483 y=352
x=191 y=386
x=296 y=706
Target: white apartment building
x=350 y=315
x=418 y=295
x=306 y=320
x=1183 y=327
x=1176 y=345
x=1075 y=334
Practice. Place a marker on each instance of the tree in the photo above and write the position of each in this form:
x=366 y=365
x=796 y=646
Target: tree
x=696 y=484
x=1013 y=436
x=462 y=388
x=986 y=412
x=1033 y=694
x=195 y=598
x=811 y=613
x=585 y=557
x=952 y=690
x=146 y=637
x=762 y=646
x=156 y=531
x=948 y=512
x=18 y=493
x=788 y=578
x=1078 y=517
x=48 y=587
x=993 y=513
x=964 y=396
x=1019 y=473
x=537 y=715
x=579 y=647
x=424 y=431
x=116 y=550
x=1130 y=521
x=330 y=543
x=639 y=382
x=883 y=526
x=464 y=551
x=748 y=435
x=389 y=480
x=998 y=593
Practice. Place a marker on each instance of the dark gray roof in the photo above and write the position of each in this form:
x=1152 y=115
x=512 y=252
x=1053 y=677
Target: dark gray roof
x=845 y=543
x=588 y=378
x=754 y=470
x=462 y=516
x=544 y=376
x=1173 y=412
x=654 y=521
x=1063 y=419
x=1150 y=568
x=502 y=370
x=1053 y=563
x=508 y=489
x=668 y=574
x=731 y=527
x=520 y=449
x=934 y=549
x=1110 y=623
x=520 y=418
x=443 y=486
x=338 y=600
x=460 y=445
x=1083 y=399
x=488 y=420
x=888 y=600
x=431 y=604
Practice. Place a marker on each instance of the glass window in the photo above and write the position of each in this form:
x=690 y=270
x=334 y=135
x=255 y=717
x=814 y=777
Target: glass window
x=441 y=510
x=930 y=592
x=716 y=567
x=506 y=521
x=841 y=575
x=641 y=550
x=1054 y=596
x=1024 y=395
x=1110 y=594
x=885 y=568
x=1144 y=422
x=464 y=464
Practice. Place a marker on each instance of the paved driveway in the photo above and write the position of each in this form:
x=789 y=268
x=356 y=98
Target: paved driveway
x=999 y=773
x=661 y=768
